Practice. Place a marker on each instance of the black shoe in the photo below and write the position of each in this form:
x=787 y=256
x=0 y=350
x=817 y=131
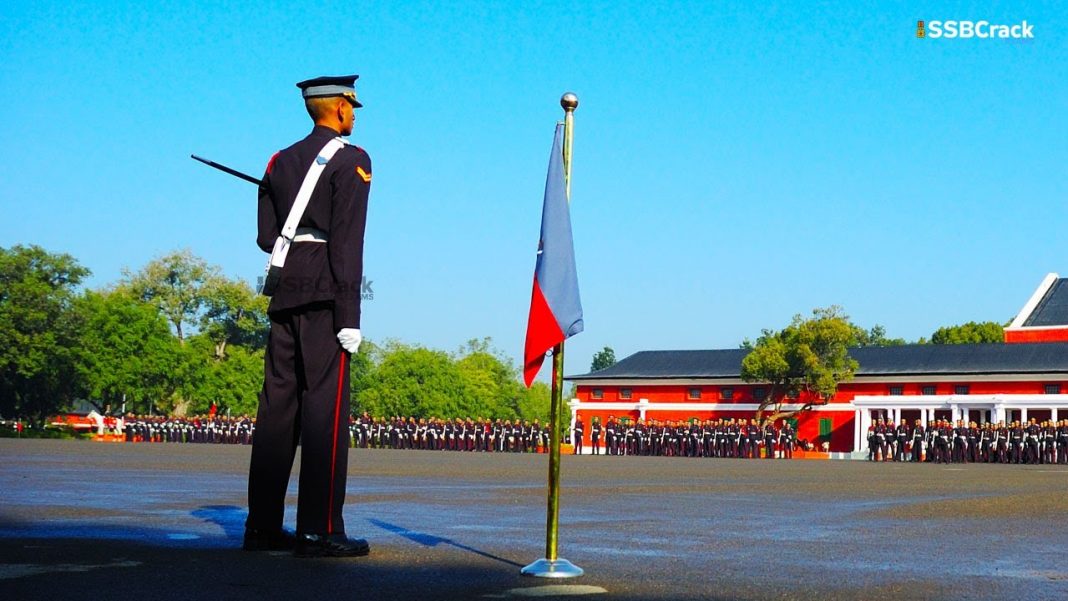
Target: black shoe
x=268 y=540
x=330 y=545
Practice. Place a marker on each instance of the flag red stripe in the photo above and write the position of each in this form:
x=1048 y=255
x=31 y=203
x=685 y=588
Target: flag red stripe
x=543 y=333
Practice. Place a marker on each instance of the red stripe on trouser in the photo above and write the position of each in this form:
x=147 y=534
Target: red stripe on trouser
x=333 y=452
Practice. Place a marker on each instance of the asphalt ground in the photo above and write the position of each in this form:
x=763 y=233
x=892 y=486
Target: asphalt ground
x=159 y=521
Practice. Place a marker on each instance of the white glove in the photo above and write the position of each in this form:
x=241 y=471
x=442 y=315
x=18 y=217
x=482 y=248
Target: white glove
x=350 y=339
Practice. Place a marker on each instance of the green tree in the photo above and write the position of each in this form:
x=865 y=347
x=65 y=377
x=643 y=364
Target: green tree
x=876 y=336
x=533 y=403
x=603 y=359
x=125 y=350
x=233 y=314
x=415 y=381
x=232 y=383
x=476 y=381
x=969 y=333
x=38 y=329
x=806 y=361
x=176 y=284
x=489 y=381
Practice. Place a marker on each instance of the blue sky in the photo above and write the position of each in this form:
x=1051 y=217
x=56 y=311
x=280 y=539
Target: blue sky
x=735 y=162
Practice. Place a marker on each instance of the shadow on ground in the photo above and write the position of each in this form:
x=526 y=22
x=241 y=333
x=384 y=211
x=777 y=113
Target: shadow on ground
x=48 y=563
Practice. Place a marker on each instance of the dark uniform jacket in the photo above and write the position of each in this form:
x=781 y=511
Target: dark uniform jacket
x=316 y=272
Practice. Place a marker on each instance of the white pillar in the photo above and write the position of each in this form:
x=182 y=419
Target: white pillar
x=924 y=417
x=954 y=412
x=1053 y=414
x=643 y=404
x=858 y=435
x=1023 y=415
x=574 y=416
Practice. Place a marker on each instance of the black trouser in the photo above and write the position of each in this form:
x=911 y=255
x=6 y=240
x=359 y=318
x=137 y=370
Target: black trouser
x=1032 y=451
x=305 y=399
x=769 y=448
x=942 y=450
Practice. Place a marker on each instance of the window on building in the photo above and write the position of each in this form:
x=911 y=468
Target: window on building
x=760 y=394
x=727 y=394
x=1053 y=388
x=960 y=390
x=624 y=393
x=929 y=391
x=826 y=427
x=896 y=391
x=597 y=393
x=695 y=393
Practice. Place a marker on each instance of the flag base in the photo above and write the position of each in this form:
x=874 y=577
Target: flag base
x=545 y=568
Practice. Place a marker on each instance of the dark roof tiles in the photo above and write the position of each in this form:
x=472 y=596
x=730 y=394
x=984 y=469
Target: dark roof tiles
x=907 y=360
x=1052 y=310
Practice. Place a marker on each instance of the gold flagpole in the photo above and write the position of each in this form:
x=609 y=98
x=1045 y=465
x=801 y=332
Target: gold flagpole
x=552 y=566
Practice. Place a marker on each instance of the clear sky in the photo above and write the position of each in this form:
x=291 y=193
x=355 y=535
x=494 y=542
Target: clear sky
x=735 y=162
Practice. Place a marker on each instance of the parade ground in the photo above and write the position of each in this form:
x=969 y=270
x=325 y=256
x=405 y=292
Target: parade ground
x=162 y=521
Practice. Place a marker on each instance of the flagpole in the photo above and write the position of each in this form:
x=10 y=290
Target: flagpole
x=553 y=566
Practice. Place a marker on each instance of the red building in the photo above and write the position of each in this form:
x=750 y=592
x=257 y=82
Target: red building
x=1025 y=378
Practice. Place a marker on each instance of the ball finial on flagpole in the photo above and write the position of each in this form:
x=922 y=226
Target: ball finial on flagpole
x=569 y=101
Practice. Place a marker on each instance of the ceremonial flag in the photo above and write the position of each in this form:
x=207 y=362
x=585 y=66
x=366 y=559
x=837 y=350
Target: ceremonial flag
x=555 y=308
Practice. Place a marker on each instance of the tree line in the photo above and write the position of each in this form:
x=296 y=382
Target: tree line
x=177 y=336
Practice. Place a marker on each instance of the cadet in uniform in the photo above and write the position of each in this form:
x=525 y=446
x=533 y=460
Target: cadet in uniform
x=577 y=433
x=315 y=326
x=595 y=435
x=917 y=441
x=769 y=439
x=786 y=440
x=901 y=436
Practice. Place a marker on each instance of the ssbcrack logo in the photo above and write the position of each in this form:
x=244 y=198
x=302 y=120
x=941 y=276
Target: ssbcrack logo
x=984 y=30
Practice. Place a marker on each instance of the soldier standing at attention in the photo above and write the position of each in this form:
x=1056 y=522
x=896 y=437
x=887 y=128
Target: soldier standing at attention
x=786 y=440
x=945 y=432
x=315 y=327
x=901 y=435
x=880 y=440
x=610 y=436
x=578 y=431
x=595 y=435
x=769 y=439
x=917 y=441
x=1062 y=442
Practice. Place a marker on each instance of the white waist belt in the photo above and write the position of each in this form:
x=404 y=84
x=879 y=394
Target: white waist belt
x=310 y=234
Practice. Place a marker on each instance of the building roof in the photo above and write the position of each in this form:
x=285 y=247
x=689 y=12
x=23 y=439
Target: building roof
x=1052 y=310
x=906 y=360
